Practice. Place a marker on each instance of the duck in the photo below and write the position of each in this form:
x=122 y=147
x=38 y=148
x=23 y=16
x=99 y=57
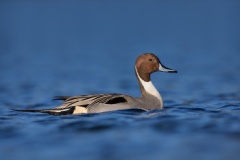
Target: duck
x=145 y=65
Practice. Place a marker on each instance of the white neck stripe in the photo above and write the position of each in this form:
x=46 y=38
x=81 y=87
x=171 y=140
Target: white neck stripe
x=149 y=87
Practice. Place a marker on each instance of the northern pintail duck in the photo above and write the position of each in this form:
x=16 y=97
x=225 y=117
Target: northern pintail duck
x=151 y=99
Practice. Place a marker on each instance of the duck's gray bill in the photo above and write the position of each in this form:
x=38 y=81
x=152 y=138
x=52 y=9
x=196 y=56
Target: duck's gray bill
x=162 y=68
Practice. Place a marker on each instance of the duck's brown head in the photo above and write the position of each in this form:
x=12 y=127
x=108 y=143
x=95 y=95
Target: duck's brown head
x=148 y=63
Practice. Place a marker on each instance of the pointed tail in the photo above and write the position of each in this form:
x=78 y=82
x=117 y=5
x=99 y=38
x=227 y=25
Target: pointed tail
x=50 y=111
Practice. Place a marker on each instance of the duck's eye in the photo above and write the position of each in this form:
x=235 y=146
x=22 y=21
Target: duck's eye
x=150 y=59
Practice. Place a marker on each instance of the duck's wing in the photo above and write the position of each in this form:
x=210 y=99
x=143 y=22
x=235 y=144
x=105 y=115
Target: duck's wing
x=89 y=100
x=79 y=104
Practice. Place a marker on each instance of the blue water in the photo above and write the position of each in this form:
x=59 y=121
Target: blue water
x=50 y=48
